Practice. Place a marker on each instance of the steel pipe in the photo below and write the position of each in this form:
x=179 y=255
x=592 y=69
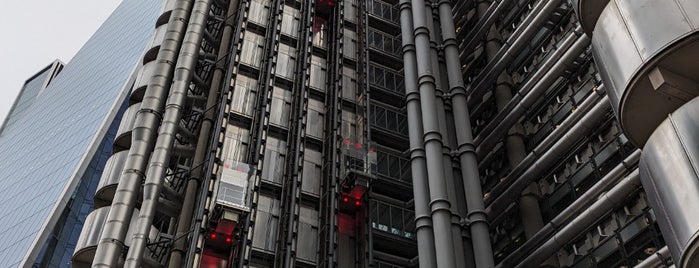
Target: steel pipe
x=481 y=28
x=143 y=139
x=184 y=222
x=469 y=168
x=605 y=204
x=659 y=259
x=549 y=141
x=511 y=48
x=439 y=204
x=608 y=181
x=531 y=91
x=418 y=166
x=167 y=134
x=432 y=16
x=549 y=157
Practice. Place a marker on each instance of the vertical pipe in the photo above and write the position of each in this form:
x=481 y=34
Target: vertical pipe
x=441 y=214
x=469 y=168
x=432 y=18
x=423 y=221
x=144 y=132
x=160 y=158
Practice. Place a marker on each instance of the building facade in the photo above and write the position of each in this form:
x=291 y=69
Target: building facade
x=384 y=133
x=58 y=135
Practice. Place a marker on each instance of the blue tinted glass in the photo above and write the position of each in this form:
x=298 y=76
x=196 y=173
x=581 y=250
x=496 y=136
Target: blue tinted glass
x=41 y=154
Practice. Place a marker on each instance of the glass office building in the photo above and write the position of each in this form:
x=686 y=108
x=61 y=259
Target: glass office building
x=396 y=133
x=54 y=141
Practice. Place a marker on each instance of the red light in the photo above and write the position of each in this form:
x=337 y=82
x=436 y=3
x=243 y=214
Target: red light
x=346 y=142
x=345 y=199
x=229 y=240
x=330 y=3
x=358 y=145
x=371 y=150
x=213 y=235
x=357 y=203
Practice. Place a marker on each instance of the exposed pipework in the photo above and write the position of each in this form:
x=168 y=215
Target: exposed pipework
x=442 y=122
x=531 y=91
x=221 y=79
x=591 y=195
x=484 y=24
x=659 y=259
x=440 y=206
x=143 y=139
x=511 y=48
x=606 y=202
x=184 y=72
x=482 y=250
x=545 y=158
x=418 y=166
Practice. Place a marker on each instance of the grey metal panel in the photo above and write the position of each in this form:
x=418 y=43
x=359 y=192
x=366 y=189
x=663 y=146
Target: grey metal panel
x=123 y=138
x=670 y=176
x=142 y=80
x=632 y=38
x=110 y=178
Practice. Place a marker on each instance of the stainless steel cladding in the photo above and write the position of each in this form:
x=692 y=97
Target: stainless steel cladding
x=646 y=54
x=669 y=168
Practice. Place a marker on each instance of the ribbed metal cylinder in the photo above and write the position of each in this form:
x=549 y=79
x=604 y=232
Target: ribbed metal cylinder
x=646 y=51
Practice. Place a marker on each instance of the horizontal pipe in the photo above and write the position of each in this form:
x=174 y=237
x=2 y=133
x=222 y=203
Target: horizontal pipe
x=659 y=259
x=549 y=141
x=476 y=35
x=523 y=100
x=550 y=157
x=592 y=194
x=511 y=48
x=605 y=204
x=535 y=87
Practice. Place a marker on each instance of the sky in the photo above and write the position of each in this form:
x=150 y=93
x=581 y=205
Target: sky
x=34 y=33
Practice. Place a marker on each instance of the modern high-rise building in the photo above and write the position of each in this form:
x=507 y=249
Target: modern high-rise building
x=58 y=135
x=375 y=133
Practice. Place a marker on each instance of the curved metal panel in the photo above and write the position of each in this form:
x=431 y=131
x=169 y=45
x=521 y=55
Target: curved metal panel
x=669 y=173
x=588 y=12
x=139 y=87
x=642 y=48
x=109 y=179
x=86 y=246
x=123 y=138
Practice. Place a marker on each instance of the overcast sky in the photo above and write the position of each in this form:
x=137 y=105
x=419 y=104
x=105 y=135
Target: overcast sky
x=34 y=33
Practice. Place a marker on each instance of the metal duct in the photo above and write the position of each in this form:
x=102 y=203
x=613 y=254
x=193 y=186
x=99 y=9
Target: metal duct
x=511 y=48
x=481 y=28
x=531 y=91
x=549 y=141
x=549 y=157
x=418 y=166
x=606 y=203
x=483 y=252
x=440 y=206
x=435 y=41
x=167 y=134
x=670 y=174
x=184 y=223
x=608 y=181
x=658 y=260
x=143 y=140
